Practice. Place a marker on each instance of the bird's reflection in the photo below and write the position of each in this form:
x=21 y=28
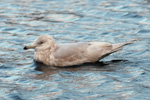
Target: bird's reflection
x=98 y=66
x=44 y=68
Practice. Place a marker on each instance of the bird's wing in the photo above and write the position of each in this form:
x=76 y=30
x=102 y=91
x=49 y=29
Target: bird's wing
x=88 y=52
x=97 y=50
x=70 y=50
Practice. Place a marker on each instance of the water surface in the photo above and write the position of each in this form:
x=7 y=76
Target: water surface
x=71 y=21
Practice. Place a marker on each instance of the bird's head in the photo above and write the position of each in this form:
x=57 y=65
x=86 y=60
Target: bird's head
x=43 y=42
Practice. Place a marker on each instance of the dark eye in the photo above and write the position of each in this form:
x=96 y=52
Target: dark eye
x=41 y=42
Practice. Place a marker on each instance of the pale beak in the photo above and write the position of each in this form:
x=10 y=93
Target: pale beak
x=29 y=47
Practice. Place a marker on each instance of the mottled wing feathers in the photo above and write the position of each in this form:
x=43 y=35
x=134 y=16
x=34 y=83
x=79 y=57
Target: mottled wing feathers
x=90 y=52
x=71 y=49
x=78 y=53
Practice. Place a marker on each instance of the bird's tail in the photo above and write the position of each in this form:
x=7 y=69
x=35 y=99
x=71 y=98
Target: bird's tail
x=116 y=47
x=119 y=46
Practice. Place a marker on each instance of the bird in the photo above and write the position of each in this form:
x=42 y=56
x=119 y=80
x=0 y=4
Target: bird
x=48 y=52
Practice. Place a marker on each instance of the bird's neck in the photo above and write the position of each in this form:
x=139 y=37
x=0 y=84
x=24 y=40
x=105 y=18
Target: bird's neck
x=42 y=56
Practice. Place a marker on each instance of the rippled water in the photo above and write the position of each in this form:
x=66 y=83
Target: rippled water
x=70 y=21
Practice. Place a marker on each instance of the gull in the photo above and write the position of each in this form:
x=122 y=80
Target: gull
x=69 y=54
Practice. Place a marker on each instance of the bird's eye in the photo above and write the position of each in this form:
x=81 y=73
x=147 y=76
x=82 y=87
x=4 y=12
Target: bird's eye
x=41 y=42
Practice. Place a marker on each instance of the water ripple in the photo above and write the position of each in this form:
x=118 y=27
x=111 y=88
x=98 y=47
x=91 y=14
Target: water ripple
x=125 y=74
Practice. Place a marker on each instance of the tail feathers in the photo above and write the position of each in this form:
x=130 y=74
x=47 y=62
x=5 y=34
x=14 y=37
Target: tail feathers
x=131 y=41
x=119 y=46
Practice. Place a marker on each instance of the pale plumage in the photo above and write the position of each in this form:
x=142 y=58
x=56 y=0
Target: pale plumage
x=50 y=53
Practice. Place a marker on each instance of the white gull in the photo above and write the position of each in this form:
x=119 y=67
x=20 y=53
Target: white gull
x=52 y=54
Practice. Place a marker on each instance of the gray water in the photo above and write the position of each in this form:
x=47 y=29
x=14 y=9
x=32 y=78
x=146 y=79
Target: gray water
x=126 y=75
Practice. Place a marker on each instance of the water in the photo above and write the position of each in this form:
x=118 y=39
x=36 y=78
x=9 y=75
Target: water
x=70 y=21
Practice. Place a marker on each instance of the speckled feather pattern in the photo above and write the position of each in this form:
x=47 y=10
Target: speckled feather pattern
x=52 y=54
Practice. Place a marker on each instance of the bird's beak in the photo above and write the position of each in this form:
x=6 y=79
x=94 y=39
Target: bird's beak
x=29 y=47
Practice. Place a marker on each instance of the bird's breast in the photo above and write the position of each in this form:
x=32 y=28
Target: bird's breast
x=43 y=57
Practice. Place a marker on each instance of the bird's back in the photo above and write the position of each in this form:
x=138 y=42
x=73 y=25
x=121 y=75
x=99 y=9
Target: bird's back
x=78 y=53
